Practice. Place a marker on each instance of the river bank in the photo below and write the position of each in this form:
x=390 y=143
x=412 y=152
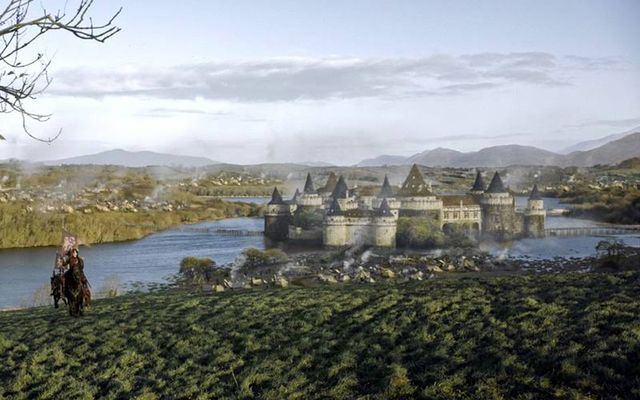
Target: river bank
x=19 y=229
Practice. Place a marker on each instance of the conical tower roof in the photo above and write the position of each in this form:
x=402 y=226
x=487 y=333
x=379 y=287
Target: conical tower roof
x=496 y=185
x=386 y=190
x=535 y=193
x=478 y=185
x=334 y=209
x=341 y=190
x=295 y=196
x=308 y=185
x=330 y=186
x=414 y=185
x=384 y=210
x=276 y=198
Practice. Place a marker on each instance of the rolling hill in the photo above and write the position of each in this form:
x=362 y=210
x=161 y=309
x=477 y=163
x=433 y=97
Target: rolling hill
x=134 y=159
x=611 y=152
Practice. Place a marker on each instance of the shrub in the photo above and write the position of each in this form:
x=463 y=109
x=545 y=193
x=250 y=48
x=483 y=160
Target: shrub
x=257 y=258
x=194 y=270
x=419 y=232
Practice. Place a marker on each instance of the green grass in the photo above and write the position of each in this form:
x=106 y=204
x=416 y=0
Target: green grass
x=573 y=336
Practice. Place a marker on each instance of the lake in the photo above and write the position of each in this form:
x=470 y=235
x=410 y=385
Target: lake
x=158 y=256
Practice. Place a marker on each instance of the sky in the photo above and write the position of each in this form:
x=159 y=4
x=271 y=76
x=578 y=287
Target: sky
x=337 y=81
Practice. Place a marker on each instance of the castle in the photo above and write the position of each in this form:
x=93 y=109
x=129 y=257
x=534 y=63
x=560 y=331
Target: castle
x=336 y=216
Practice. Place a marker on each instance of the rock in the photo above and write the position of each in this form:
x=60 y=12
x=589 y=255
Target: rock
x=257 y=282
x=326 y=278
x=435 y=268
x=387 y=273
x=226 y=283
x=451 y=267
x=218 y=288
x=281 y=281
x=363 y=276
x=345 y=278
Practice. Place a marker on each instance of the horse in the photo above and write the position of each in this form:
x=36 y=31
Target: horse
x=57 y=289
x=74 y=291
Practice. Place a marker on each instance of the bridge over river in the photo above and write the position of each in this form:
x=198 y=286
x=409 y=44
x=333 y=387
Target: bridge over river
x=593 y=230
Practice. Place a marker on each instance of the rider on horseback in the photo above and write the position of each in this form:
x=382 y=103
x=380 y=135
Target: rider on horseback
x=76 y=263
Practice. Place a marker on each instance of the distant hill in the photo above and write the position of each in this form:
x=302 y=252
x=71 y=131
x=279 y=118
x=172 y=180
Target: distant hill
x=383 y=160
x=610 y=153
x=134 y=159
x=592 y=144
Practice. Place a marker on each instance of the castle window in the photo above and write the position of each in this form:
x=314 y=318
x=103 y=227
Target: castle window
x=466 y=214
x=455 y=215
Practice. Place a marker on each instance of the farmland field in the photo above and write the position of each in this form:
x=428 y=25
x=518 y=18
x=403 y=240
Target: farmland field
x=514 y=337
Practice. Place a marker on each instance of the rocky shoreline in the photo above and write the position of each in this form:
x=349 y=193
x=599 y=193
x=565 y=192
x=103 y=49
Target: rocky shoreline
x=359 y=265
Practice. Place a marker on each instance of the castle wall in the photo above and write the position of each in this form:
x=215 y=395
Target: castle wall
x=461 y=215
x=310 y=200
x=334 y=232
x=534 y=219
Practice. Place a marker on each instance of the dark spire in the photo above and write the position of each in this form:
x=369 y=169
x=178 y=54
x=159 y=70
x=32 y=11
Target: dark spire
x=414 y=185
x=496 y=185
x=308 y=185
x=386 y=190
x=535 y=193
x=478 y=185
x=330 y=186
x=334 y=209
x=341 y=190
x=384 y=210
x=295 y=196
x=276 y=198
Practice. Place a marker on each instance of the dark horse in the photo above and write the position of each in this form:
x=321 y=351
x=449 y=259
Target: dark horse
x=74 y=291
x=57 y=289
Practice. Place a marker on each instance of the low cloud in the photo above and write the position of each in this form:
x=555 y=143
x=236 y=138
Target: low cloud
x=292 y=79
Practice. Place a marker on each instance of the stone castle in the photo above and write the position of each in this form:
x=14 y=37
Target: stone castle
x=338 y=216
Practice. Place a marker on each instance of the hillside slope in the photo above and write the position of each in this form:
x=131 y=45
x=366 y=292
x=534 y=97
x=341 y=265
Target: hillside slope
x=545 y=336
x=134 y=159
x=610 y=153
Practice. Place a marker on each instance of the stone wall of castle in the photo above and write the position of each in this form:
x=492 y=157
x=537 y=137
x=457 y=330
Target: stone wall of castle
x=371 y=231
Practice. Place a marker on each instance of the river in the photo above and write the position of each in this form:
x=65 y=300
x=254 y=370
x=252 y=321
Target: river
x=156 y=257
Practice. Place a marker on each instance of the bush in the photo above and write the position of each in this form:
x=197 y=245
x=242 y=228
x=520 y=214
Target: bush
x=419 y=232
x=257 y=258
x=194 y=270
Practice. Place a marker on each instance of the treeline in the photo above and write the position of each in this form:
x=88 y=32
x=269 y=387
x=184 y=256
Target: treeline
x=33 y=229
x=614 y=205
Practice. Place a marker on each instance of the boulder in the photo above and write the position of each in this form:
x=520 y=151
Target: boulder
x=257 y=282
x=387 y=273
x=326 y=278
x=218 y=288
x=281 y=281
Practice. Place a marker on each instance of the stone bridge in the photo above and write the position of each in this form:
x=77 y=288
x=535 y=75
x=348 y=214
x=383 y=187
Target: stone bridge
x=593 y=230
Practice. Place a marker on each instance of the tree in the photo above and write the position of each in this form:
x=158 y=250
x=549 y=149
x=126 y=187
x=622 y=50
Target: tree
x=23 y=74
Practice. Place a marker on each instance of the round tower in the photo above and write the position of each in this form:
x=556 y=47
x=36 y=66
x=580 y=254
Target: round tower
x=335 y=227
x=385 y=226
x=534 y=215
x=498 y=210
x=277 y=217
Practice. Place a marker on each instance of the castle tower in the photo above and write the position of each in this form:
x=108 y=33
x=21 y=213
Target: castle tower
x=387 y=193
x=329 y=187
x=342 y=194
x=308 y=185
x=384 y=226
x=478 y=185
x=309 y=198
x=277 y=217
x=416 y=199
x=335 y=228
x=534 y=215
x=498 y=210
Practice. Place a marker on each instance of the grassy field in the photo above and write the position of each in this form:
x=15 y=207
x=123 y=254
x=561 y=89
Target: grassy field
x=574 y=336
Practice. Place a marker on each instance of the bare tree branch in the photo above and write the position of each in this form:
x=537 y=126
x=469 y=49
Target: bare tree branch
x=23 y=78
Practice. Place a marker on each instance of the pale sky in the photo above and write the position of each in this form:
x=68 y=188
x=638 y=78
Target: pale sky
x=338 y=81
